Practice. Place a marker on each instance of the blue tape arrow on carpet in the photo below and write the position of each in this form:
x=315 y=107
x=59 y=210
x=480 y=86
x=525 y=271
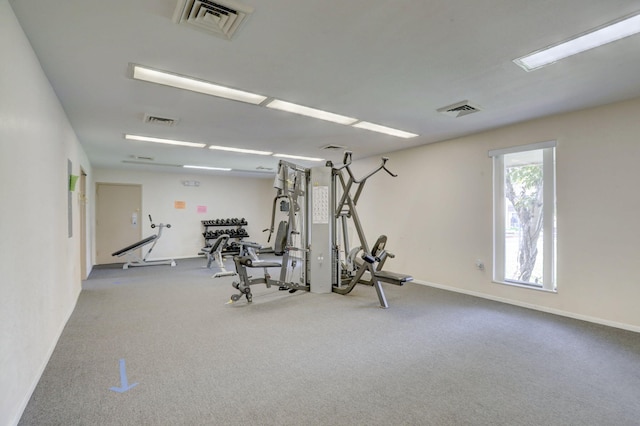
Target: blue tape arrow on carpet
x=124 y=383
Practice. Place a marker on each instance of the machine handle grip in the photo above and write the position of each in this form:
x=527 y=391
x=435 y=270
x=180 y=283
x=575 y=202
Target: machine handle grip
x=346 y=160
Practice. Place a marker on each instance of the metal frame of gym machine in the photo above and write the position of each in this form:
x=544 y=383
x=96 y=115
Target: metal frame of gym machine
x=310 y=233
x=367 y=268
x=291 y=240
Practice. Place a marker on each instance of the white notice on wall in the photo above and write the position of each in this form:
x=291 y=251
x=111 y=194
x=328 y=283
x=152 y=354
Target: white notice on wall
x=320 y=204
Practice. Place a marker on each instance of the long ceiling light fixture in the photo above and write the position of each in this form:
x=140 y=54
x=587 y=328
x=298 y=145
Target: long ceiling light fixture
x=336 y=118
x=608 y=33
x=222 y=169
x=194 y=144
x=240 y=150
x=298 y=157
x=165 y=141
x=310 y=112
x=200 y=86
x=384 y=129
x=194 y=85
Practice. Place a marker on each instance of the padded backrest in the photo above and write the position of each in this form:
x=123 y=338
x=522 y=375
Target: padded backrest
x=281 y=239
x=222 y=239
x=379 y=245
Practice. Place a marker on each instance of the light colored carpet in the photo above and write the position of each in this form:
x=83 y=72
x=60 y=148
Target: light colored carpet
x=432 y=358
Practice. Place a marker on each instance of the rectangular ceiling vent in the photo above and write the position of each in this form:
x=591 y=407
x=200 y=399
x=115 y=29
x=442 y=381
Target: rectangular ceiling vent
x=221 y=18
x=164 y=121
x=459 y=109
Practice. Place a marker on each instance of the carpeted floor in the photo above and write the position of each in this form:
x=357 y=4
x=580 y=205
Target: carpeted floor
x=433 y=358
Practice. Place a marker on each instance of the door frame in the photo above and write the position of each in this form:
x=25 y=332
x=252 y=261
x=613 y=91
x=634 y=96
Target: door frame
x=82 y=201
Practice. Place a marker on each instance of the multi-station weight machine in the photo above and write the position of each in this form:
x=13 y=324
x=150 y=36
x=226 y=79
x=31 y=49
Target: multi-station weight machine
x=319 y=210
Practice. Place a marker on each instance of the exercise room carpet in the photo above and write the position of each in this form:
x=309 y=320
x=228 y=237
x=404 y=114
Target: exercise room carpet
x=433 y=358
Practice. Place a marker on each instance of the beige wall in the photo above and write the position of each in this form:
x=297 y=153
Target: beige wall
x=40 y=265
x=223 y=196
x=438 y=213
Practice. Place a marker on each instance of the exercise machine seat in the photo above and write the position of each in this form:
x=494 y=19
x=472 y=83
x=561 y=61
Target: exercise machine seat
x=393 y=277
x=252 y=263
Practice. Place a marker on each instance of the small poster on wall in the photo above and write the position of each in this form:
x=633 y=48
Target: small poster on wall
x=202 y=209
x=320 y=204
x=179 y=205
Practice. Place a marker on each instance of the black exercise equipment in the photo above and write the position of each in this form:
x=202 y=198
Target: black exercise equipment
x=135 y=259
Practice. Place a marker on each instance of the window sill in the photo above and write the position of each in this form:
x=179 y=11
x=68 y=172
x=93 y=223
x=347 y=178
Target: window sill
x=528 y=287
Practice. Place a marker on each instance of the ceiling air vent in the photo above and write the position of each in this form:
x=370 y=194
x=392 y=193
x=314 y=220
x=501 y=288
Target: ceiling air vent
x=221 y=18
x=334 y=147
x=164 y=121
x=459 y=109
x=140 y=157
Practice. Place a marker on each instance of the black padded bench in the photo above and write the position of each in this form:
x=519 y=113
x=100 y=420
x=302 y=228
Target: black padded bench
x=134 y=246
x=393 y=277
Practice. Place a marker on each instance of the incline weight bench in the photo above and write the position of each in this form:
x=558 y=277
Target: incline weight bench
x=376 y=275
x=215 y=253
x=380 y=255
x=134 y=259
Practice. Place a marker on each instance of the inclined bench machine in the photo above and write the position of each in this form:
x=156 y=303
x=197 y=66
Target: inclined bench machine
x=319 y=208
x=131 y=251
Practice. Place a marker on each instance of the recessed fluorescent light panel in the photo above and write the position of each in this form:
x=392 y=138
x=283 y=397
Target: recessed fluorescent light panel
x=601 y=36
x=298 y=157
x=310 y=112
x=383 y=129
x=165 y=141
x=222 y=169
x=199 y=86
x=241 y=150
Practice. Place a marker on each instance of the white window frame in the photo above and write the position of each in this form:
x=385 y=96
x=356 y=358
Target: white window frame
x=499 y=208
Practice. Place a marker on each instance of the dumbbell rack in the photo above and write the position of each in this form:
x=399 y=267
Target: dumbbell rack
x=233 y=227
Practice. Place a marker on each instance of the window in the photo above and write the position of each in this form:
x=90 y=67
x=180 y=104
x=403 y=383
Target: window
x=524 y=206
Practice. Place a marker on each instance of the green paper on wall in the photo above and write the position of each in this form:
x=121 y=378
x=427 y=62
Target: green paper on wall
x=72 y=182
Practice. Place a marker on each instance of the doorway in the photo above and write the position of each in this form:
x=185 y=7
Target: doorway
x=118 y=219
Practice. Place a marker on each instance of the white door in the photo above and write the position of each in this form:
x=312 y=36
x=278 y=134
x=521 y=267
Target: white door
x=118 y=219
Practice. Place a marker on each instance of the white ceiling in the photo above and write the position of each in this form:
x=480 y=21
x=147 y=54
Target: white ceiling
x=392 y=62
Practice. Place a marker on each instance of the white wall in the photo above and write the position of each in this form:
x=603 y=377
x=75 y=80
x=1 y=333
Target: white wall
x=438 y=213
x=40 y=265
x=223 y=196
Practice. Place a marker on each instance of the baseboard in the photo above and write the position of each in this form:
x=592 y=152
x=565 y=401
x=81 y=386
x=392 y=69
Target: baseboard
x=541 y=308
x=34 y=384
